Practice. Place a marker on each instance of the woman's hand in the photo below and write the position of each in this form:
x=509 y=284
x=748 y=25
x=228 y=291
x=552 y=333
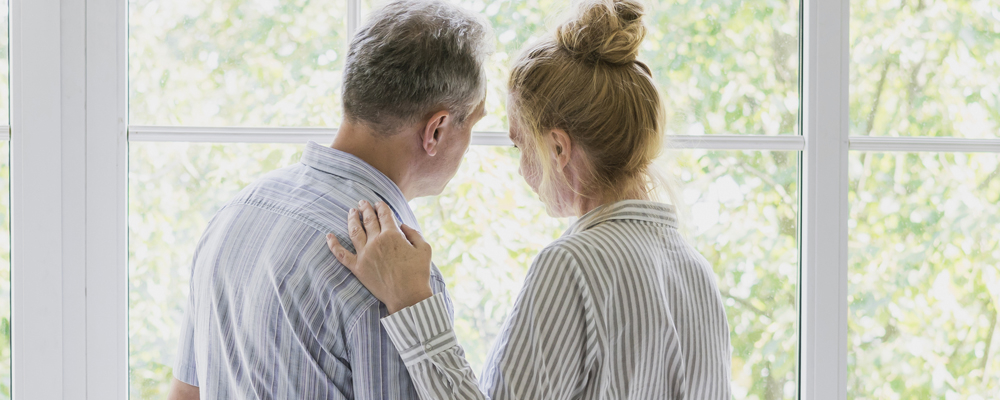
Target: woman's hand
x=393 y=262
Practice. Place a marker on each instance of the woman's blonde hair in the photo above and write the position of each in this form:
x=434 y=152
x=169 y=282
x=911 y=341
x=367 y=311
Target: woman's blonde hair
x=587 y=81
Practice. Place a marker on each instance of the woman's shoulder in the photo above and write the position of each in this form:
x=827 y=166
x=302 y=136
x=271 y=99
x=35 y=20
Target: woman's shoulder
x=607 y=236
x=583 y=249
x=619 y=240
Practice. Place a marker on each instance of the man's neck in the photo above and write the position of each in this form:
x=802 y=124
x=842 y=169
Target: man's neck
x=387 y=154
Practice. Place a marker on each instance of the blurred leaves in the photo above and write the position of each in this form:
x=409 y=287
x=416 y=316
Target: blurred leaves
x=235 y=63
x=925 y=68
x=4 y=80
x=924 y=262
x=5 y=351
x=5 y=311
x=924 y=238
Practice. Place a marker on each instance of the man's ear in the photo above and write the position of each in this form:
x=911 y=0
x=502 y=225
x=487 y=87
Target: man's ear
x=562 y=147
x=430 y=137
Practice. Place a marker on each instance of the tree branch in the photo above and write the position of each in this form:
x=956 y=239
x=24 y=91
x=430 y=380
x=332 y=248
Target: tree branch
x=746 y=304
x=878 y=98
x=982 y=185
x=989 y=343
x=769 y=180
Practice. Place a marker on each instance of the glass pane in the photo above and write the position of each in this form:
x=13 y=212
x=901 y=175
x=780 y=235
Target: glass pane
x=728 y=67
x=4 y=66
x=924 y=273
x=925 y=68
x=5 y=364
x=740 y=212
x=174 y=190
x=5 y=351
x=235 y=63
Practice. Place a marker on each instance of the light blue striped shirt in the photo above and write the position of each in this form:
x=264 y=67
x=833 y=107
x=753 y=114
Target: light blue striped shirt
x=272 y=314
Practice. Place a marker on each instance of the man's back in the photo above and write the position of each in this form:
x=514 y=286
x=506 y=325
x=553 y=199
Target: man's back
x=272 y=314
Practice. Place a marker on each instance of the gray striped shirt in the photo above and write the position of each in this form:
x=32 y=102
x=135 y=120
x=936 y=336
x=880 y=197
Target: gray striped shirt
x=272 y=314
x=620 y=307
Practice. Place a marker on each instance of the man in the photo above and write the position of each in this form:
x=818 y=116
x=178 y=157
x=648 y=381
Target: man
x=272 y=314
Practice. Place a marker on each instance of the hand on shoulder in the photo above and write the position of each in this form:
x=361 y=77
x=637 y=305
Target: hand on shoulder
x=392 y=261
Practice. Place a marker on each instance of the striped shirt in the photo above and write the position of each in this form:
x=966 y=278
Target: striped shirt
x=272 y=314
x=620 y=307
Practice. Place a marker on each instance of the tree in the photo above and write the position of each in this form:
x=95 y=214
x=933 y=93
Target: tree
x=923 y=267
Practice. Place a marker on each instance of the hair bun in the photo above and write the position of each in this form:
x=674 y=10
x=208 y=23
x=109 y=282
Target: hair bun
x=604 y=31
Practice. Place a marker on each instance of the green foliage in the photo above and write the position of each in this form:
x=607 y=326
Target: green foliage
x=923 y=266
x=925 y=68
x=5 y=363
x=4 y=71
x=726 y=66
x=924 y=276
x=235 y=63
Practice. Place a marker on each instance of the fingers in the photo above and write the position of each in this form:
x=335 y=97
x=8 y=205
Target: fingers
x=414 y=236
x=370 y=219
x=356 y=231
x=385 y=216
x=345 y=257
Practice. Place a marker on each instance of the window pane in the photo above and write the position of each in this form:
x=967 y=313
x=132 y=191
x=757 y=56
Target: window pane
x=235 y=63
x=5 y=365
x=4 y=66
x=5 y=351
x=728 y=67
x=924 y=273
x=925 y=68
x=741 y=214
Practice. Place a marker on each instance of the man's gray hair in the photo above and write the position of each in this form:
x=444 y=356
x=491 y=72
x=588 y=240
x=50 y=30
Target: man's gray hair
x=411 y=57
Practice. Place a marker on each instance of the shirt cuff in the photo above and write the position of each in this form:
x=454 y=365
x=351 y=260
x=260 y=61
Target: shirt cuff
x=421 y=331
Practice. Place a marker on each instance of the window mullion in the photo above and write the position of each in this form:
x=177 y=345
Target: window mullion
x=36 y=201
x=106 y=200
x=823 y=297
x=353 y=19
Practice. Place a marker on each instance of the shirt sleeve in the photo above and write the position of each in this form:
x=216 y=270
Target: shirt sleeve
x=539 y=354
x=185 y=369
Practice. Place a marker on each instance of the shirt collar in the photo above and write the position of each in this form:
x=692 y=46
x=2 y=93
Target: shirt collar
x=636 y=210
x=347 y=166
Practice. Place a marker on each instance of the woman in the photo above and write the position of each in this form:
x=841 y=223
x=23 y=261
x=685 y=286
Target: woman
x=620 y=307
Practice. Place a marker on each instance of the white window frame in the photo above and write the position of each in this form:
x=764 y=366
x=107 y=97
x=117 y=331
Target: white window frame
x=69 y=144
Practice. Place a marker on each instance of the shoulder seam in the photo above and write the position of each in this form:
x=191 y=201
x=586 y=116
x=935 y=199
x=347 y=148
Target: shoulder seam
x=352 y=325
x=272 y=208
